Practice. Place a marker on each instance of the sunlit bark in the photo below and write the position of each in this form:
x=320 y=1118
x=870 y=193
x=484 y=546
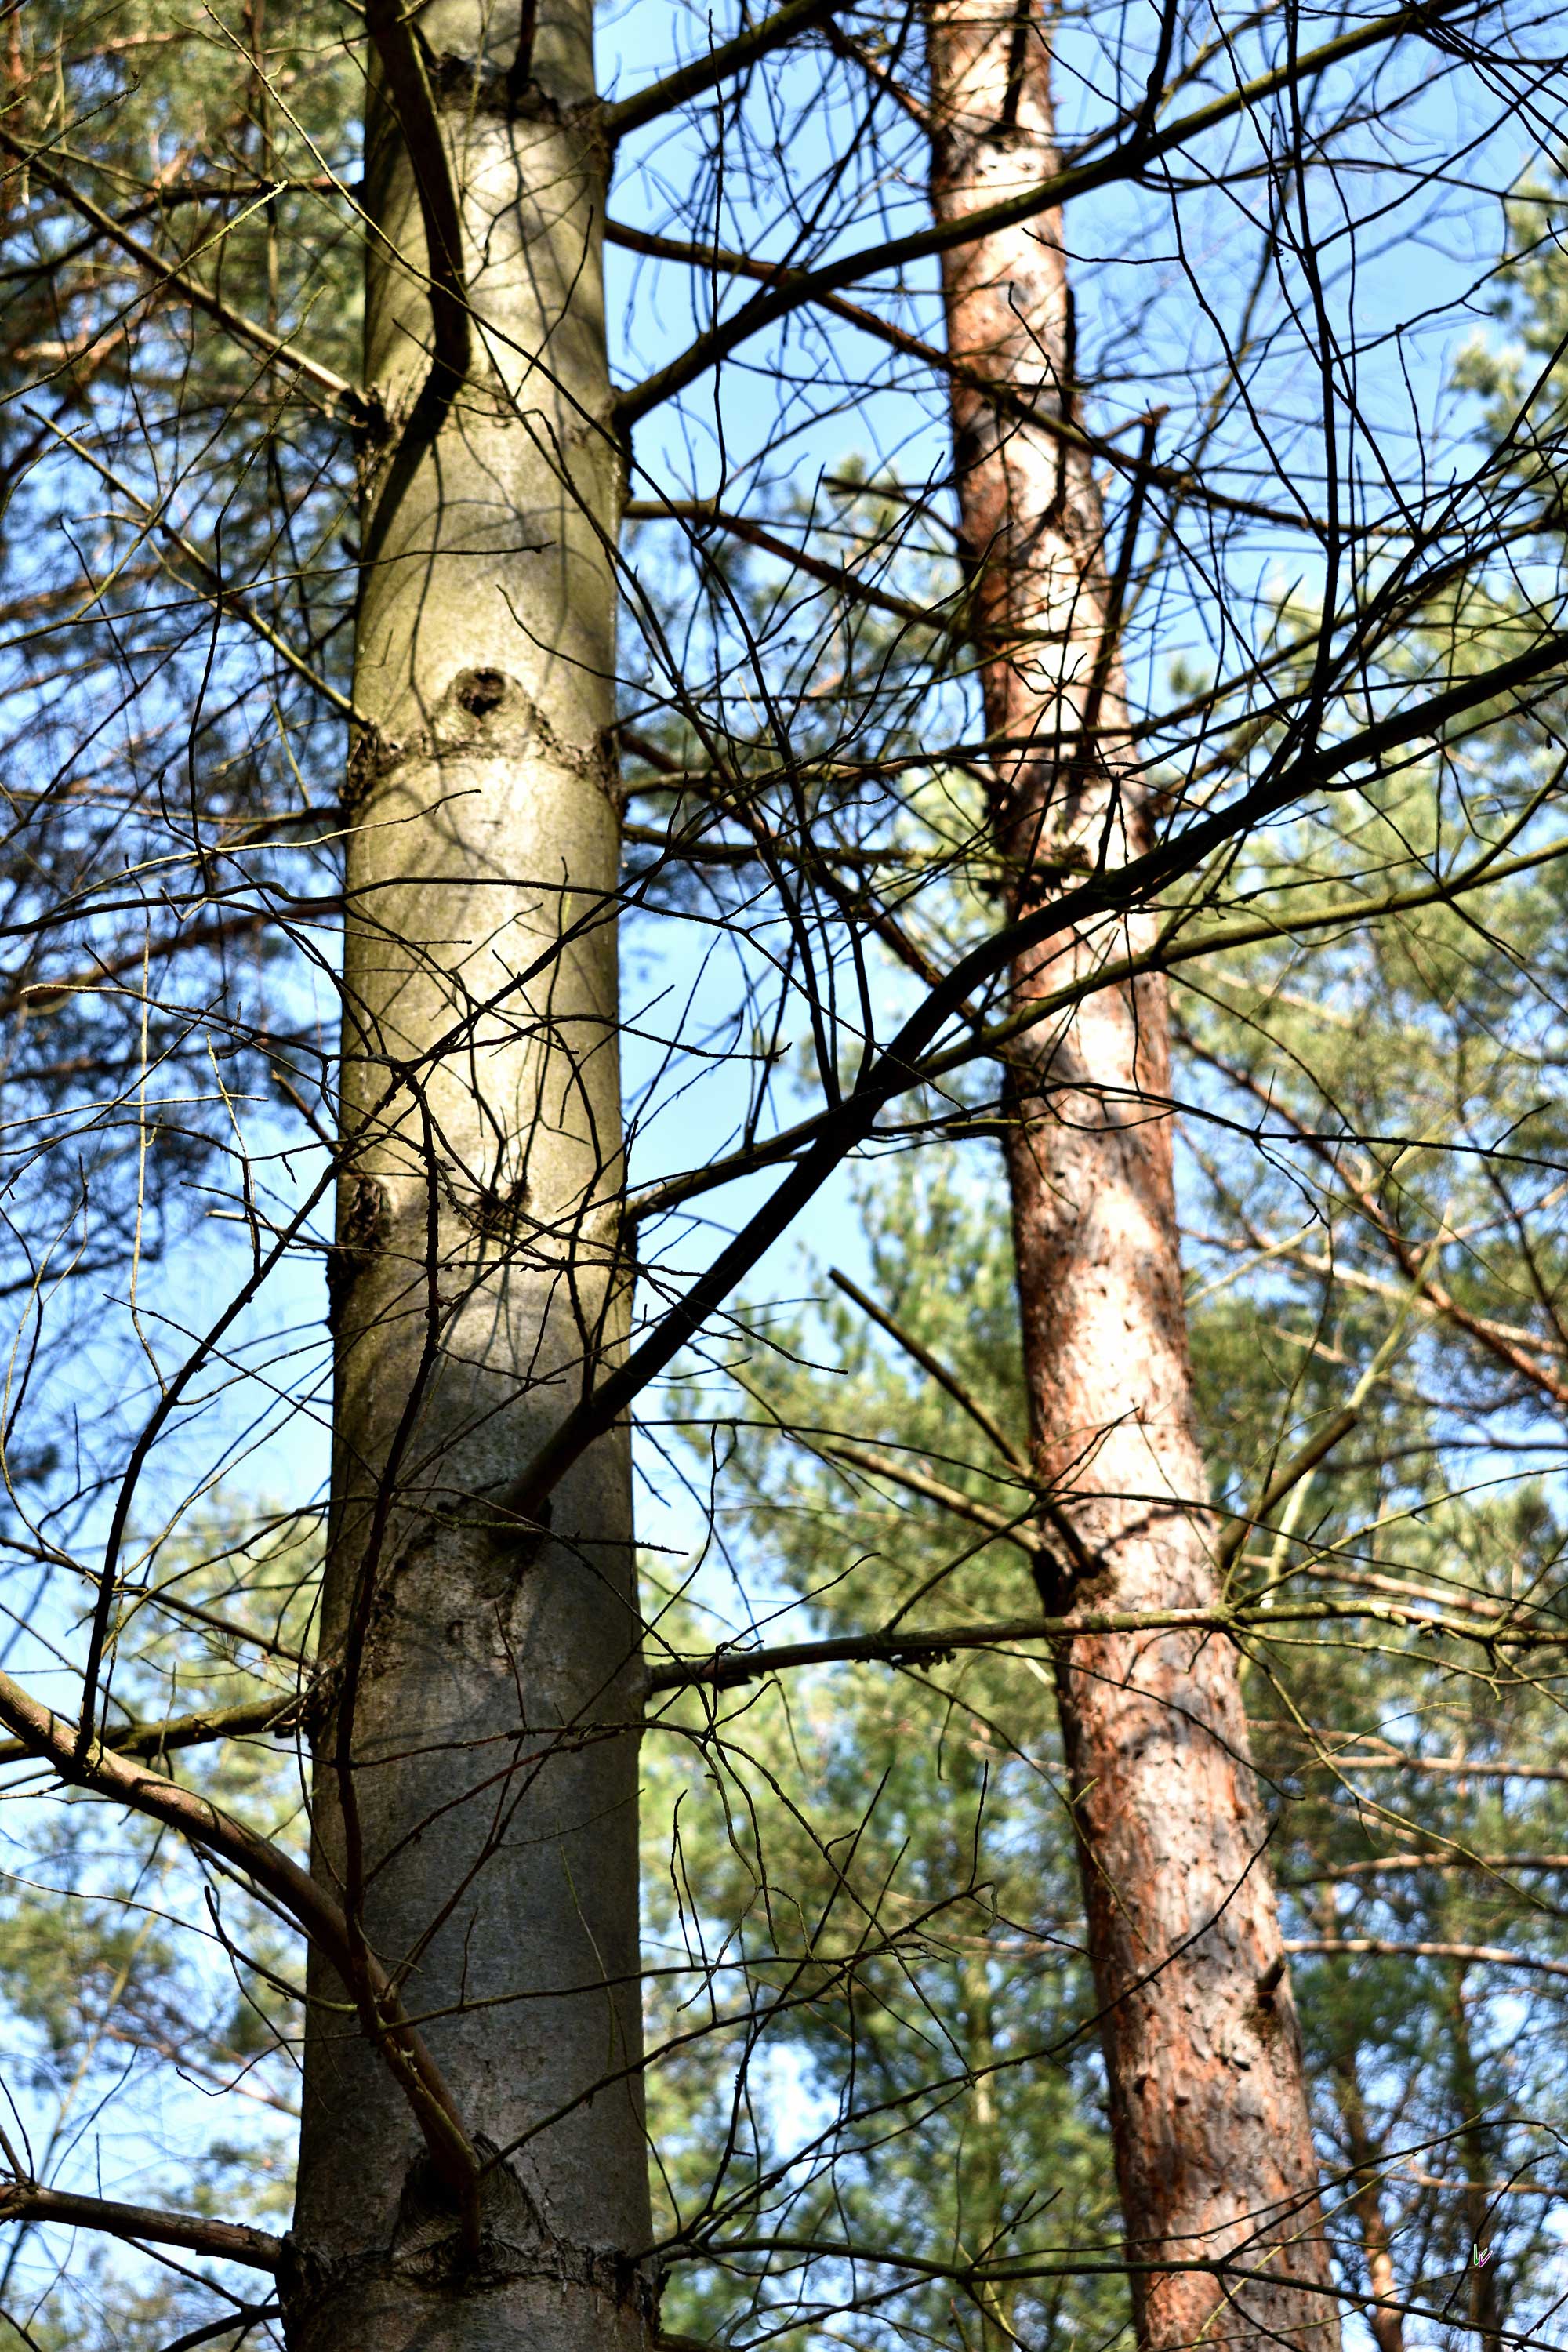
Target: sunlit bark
x=475 y=1785
x=1208 y=2107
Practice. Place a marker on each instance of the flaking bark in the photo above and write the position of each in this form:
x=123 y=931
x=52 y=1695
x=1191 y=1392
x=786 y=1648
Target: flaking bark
x=1208 y=2106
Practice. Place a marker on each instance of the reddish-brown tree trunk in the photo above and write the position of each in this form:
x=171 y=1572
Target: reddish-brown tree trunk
x=1366 y=2198
x=1366 y=2204
x=1483 y=2288
x=1208 y=2105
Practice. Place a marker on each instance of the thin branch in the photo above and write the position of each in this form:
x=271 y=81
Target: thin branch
x=1398 y=1865
x=225 y=2241
x=1289 y=1475
x=1482 y=1955
x=877 y=1464
x=1397 y=1587
x=1018 y=2270
x=39 y=996
x=930 y=1364
x=203 y=1824
x=1456 y=1767
x=728 y=1669
x=1005 y=398
x=902 y=1063
x=1131 y=157
x=399 y=53
x=732 y=57
x=689 y=848
x=243 y=2317
x=337 y=390
x=198 y=1729
x=227 y=599
x=1167 y=955
x=799 y=558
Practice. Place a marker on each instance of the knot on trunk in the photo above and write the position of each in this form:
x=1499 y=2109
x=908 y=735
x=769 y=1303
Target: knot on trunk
x=328 y=2298
x=428 y=2242
x=480 y=691
x=362 y=1234
x=486 y=711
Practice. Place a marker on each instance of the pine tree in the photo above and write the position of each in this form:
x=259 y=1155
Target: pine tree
x=494 y=832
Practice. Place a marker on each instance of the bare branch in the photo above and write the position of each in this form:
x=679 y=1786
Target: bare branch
x=1133 y=156
x=199 y=1729
x=178 y=280
x=728 y=1669
x=899 y=1065
x=1291 y=1473
x=1480 y=1955
x=223 y=2242
x=55 y=1741
x=878 y=1465
x=918 y=1354
x=732 y=57
x=397 y=47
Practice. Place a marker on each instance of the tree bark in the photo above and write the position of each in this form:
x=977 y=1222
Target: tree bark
x=475 y=1777
x=1366 y=2198
x=1208 y=2106
x=1483 y=2296
x=1366 y=2203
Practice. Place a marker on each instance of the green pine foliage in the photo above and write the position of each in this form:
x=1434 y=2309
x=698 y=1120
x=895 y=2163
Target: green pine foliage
x=913 y=2028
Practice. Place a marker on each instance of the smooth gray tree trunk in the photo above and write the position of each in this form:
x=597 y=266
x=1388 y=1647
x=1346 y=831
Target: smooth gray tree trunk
x=475 y=1781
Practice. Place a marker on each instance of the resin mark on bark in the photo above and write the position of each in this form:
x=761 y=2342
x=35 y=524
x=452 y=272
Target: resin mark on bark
x=371 y=753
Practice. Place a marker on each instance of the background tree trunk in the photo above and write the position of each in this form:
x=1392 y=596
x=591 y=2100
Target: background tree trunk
x=1365 y=2160
x=1482 y=2298
x=475 y=1787
x=1208 y=2105
x=1366 y=2203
